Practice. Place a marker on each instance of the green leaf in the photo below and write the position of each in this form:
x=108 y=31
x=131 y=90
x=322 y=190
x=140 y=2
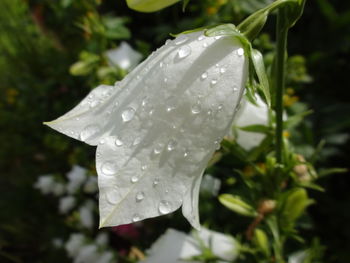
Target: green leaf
x=256 y=128
x=184 y=5
x=295 y=204
x=149 y=5
x=236 y=204
x=296 y=119
x=261 y=241
x=258 y=62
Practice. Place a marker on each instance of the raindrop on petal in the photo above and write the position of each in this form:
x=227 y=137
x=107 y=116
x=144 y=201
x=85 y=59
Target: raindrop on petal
x=128 y=114
x=155 y=182
x=180 y=39
x=240 y=52
x=136 y=217
x=164 y=207
x=134 y=179
x=184 y=52
x=140 y=196
x=204 y=76
x=118 y=142
x=171 y=145
x=196 y=108
x=109 y=168
x=88 y=132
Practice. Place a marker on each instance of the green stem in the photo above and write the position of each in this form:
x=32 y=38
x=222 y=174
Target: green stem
x=281 y=38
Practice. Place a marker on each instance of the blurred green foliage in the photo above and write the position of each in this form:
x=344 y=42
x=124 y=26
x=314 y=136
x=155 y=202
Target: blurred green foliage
x=53 y=52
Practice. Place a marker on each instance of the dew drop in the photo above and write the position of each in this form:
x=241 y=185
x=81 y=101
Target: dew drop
x=144 y=167
x=201 y=37
x=134 y=179
x=158 y=149
x=93 y=103
x=213 y=82
x=137 y=141
x=235 y=89
x=165 y=80
x=180 y=39
x=136 y=217
x=204 y=76
x=196 y=108
x=128 y=114
x=205 y=45
x=109 y=168
x=171 y=145
x=220 y=107
x=222 y=70
x=240 y=52
x=102 y=141
x=88 y=132
x=164 y=207
x=184 y=52
x=161 y=64
x=155 y=182
x=118 y=142
x=186 y=153
x=77 y=118
x=210 y=112
x=140 y=196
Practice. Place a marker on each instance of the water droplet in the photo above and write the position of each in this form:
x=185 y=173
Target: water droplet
x=128 y=114
x=235 y=89
x=116 y=103
x=180 y=39
x=240 y=52
x=217 y=65
x=77 y=118
x=220 y=107
x=93 y=103
x=210 y=112
x=137 y=141
x=167 y=42
x=170 y=108
x=201 y=37
x=222 y=70
x=205 y=45
x=184 y=52
x=166 y=191
x=102 y=141
x=204 y=76
x=155 y=182
x=158 y=149
x=136 y=217
x=171 y=145
x=88 y=132
x=91 y=96
x=186 y=153
x=213 y=82
x=144 y=102
x=217 y=144
x=165 y=80
x=140 y=196
x=134 y=179
x=218 y=37
x=164 y=207
x=118 y=142
x=196 y=108
x=144 y=167
x=161 y=64
x=109 y=168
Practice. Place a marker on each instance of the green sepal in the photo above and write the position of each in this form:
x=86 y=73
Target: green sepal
x=236 y=204
x=258 y=128
x=258 y=62
x=295 y=204
x=261 y=241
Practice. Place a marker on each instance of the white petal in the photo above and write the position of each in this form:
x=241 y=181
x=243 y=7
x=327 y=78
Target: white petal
x=124 y=56
x=250 y=114
x=157 y=132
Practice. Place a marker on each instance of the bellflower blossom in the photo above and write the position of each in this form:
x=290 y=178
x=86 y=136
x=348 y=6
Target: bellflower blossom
x=124 y=56
x=156 y=130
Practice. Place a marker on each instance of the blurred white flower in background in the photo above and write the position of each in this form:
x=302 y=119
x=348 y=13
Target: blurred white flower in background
x=124 y=56
x=86 y=214
x=210 y=185
x=75 y=242
x=48 y=185
x=178 y=247
x=90 y=186
x=250 y=114
x=298 y=257
x=76 y=177
x=66 y=204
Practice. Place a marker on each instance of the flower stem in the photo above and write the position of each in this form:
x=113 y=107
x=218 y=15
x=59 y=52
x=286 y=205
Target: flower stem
x=281 y=38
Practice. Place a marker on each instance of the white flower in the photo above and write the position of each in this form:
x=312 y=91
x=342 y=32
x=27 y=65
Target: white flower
x=74 y=244
x=90 y=186
x=176 y=247
x=77 y=176
x=298 y=257
x=124 y=56
x=45 y=184
x=58 y=189
x=102 y=239
x=250 y=114
x=156 y=130
x=66 y=203
x=87 y=254
x=105 y=257
x=210 y=184
x=86 y=214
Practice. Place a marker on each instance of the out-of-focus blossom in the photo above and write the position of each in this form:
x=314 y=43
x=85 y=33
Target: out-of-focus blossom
x=45 y=184
x=177 y=247
x=250 y=114
x=86 y=214
x=128 y=231
x=90 y=186
x=58 y=189
x=87 y=254
x=66 y=204
x=77 y=176
x=102 y=239
x=75 y=242
x=210 y=185
x=124 y=56
x=105 y=257
x=298 y=257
